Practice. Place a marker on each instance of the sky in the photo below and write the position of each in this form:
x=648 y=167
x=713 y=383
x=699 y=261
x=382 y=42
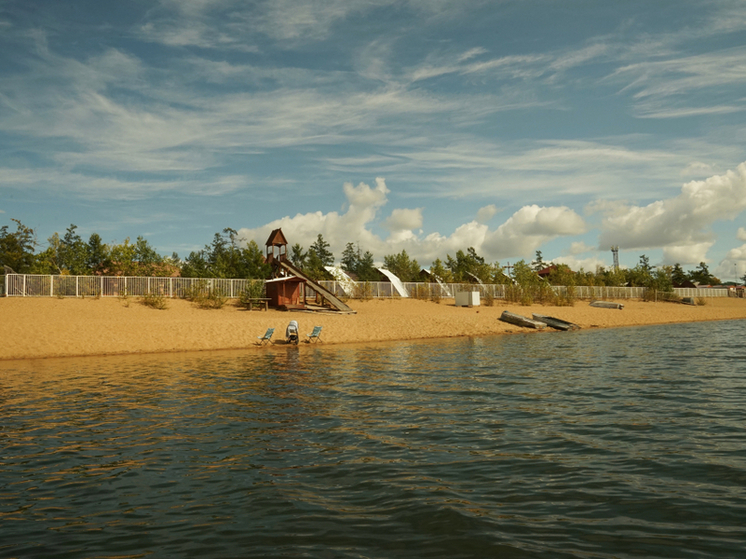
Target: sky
x=428 y=126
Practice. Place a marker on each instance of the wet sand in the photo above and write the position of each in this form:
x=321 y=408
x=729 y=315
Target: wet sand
x=47 y=327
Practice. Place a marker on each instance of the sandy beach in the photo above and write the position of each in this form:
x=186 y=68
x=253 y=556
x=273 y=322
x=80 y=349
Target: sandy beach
x=40 y=328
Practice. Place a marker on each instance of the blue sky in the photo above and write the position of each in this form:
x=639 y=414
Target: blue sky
x=429 y=126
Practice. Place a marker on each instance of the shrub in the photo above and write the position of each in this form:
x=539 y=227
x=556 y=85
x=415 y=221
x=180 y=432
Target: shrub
x=154 y=301
x=669 y=297
x=566 y=299
x=363 y=291
x=202 y=295
x=512 y=294
x=421 y=291
x=701 y=301
x=489 y=300
x=254 y=290
x=195 y=291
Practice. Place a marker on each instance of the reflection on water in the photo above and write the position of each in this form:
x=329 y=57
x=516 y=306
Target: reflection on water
x=615 y=443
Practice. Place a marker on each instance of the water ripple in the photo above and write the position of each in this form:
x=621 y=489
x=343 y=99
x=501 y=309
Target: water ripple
x=603 y=444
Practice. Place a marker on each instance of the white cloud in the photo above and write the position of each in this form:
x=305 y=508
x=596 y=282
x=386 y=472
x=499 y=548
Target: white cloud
x=338 y=229
x=738 y=253
x=680 y=225
x=486 y=213
x=741 y=235
x=530 y=227
x=686 y=254
x=588 y=264
x=404 y=220
x=519 y=236
x=579 y=247
x=697 y=168
x=733 y=266
x=675 y=87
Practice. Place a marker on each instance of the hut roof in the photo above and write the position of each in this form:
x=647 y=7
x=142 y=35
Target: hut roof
x=276 y=238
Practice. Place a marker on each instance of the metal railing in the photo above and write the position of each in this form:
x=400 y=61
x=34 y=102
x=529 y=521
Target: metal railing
x=29 y=285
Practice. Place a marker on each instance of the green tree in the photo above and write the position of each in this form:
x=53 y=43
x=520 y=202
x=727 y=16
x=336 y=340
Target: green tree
x=226 y=258
x=611 y=277
x=123 y=259
x=349 y=260
x=402 y=266
x=97 y=254
x=538 y=264
x=366 y=268
x=468 y=265
x=702 y=275
x=439 y=270
x=499 y=276
x=525 y=275
x=298 y=256
x=253 y=264
x=562 y=275
x=73 y=254
x=644 y=264
x=195 y=265
x=321 y=249
x=642 y=274
x=360 y=264
x=314 y=267
x=149 y=262
x=17 y=249
x=678 y=276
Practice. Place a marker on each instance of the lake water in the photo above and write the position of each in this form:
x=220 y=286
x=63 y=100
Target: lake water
x=608 y=443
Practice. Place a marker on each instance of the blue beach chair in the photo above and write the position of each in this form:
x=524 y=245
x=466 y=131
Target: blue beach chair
x=267 y=338
x=314 y=336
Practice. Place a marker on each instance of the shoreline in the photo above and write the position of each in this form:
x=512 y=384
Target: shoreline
x=50 y=328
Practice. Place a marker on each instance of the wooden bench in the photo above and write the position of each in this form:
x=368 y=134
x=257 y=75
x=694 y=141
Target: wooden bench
x=259 y=301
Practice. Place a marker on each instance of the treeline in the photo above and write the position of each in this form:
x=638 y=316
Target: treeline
x=227 y=256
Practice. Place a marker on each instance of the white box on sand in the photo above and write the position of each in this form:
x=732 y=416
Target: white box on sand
x=467 y=299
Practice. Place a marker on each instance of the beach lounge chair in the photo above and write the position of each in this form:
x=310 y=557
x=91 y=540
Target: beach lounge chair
x=267 y=338
x=314 y=336
x=291 y=332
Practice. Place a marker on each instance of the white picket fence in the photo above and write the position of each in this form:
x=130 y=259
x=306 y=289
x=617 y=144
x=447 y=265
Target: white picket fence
x=27 y=285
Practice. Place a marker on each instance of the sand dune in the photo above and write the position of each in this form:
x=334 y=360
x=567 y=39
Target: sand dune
x=38 y=328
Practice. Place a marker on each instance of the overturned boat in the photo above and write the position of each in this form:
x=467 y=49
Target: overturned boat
x=522 y=321
x=556 y=323
x=607 y=305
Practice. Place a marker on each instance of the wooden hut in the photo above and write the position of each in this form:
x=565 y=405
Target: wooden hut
x=287 y=292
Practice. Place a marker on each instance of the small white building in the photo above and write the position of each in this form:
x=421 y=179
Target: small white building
x=467 y=299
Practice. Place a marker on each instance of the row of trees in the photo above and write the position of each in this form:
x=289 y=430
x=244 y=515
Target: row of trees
x=70 y=254
x=229 y=257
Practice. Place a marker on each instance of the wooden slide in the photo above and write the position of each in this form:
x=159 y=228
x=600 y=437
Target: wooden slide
x=328 y=295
